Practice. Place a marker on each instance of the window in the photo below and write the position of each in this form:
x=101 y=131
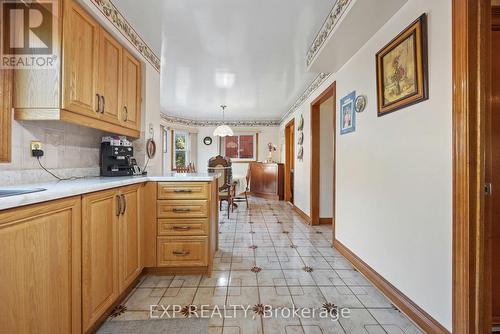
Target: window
x=240 y=146
x=180 y=149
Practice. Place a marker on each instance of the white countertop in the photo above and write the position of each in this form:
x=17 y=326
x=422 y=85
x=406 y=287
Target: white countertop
x=61 y=189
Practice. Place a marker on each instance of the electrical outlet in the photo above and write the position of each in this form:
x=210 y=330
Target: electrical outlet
x=36 y=145
x=36 y=149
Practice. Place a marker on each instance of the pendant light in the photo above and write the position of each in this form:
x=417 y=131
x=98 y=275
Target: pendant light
x=223 y=130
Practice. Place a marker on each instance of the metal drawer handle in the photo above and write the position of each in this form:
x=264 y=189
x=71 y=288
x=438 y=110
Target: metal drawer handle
x=118 y=205
x=125 y=109
x=183 y=191
x=103 y=104
x=182 y=228
x=98 y=103
x=181 y=210
x=181 y=253
x=124 y=199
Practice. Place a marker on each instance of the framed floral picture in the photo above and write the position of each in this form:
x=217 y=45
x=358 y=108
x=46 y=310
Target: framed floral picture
x=347 y=113
x=402 y=72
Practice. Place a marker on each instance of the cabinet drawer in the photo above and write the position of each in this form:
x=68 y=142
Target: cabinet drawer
x=182 y=251
x=182 y=190
x=193 y=226
x=182 y=209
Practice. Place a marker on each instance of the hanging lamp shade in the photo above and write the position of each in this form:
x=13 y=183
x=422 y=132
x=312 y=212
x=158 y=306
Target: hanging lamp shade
x=223 y=130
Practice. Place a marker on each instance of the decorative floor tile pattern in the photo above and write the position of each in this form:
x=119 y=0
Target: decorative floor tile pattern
x=291 y=264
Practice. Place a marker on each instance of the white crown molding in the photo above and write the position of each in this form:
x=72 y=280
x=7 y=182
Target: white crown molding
x=309 y=90
x=331 y=21
x=114 y=16
x=198 y=123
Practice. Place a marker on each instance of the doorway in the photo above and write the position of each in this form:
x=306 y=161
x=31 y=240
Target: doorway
x=492 y=202
x=289 y=159
x=323 y=158
x=471 y=67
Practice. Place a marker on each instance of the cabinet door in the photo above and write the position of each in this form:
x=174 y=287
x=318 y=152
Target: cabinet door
x=80 y=61
x=110 y=60
x=131 y=92
x=130 y=251
x=40 y=268
x=99 y=254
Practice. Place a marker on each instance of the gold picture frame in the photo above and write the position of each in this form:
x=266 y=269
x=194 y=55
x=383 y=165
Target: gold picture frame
x=402 y=69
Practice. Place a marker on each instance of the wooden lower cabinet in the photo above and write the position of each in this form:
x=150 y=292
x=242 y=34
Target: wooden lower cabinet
x=99 y=254
x=40 y=265
x=183 y=251
x=130 y=236
x=111 y=248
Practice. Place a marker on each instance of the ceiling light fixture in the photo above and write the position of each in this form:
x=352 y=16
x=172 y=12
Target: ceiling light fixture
x=223 y=130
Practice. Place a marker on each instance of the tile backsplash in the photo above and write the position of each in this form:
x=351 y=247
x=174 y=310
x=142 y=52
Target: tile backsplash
x=69 y=150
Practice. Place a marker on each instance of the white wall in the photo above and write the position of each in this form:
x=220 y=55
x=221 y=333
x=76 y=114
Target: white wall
x=326 y=159
x=394 y=174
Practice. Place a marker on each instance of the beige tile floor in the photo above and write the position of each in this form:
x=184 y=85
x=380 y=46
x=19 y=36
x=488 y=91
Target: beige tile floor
x=294 y=264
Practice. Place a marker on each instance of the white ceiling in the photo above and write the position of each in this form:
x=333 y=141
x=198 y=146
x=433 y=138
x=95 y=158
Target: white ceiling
x=248 y=54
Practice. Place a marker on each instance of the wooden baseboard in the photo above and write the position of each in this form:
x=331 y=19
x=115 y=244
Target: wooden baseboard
x=325 y=221
x=302 y=215
x=427 y=323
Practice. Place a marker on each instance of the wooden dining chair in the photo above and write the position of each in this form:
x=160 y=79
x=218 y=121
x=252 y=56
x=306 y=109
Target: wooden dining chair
x=186 y=169
x=227 y=187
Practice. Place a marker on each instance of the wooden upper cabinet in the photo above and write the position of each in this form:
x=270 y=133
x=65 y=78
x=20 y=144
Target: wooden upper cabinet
x=40 y=266
x=95 y=81
x=80 y=61
x=130 y=236
x=109 y=78
x=100 y=212
x=131 y=91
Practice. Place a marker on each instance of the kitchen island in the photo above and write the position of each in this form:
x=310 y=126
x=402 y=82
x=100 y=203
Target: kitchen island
x=76 y=249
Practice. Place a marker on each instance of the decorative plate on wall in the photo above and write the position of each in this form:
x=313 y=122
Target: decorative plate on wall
x=360 y=103
x=207 y=141
x=300 y=154
x=300 y=140
x=301 y=123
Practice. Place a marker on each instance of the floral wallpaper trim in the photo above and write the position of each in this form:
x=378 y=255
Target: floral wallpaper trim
x=330 y=22
x=114 y=16
x=312 y=87
x=193 y=122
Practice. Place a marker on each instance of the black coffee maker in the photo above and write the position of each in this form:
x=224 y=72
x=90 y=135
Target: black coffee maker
x=116 y=160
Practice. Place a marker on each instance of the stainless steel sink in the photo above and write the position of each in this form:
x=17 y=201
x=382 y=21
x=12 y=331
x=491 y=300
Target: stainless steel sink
x=15 y=192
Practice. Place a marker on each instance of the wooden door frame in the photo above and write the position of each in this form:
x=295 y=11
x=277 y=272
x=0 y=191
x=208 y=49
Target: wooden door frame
x=471 y=44
x=289 y=157
x=315 y=153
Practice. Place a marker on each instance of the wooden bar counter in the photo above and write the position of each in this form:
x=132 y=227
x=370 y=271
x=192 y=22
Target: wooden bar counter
x=267 y=180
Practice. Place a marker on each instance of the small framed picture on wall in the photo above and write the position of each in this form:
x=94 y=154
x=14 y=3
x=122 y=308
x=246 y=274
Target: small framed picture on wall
x=347 y=114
